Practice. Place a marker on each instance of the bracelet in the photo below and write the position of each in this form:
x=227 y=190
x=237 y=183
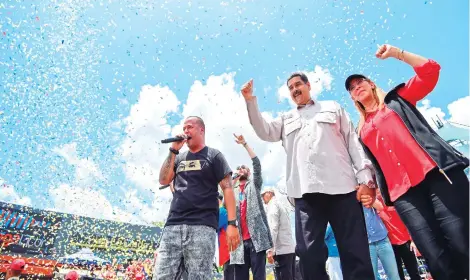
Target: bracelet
x=402 y=55
x=244 y=144
x=174 y=151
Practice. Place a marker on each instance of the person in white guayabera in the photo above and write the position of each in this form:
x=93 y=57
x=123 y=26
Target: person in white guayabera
x=254 y=229
x=325 y=166
x=283 y=252
x=190 y=231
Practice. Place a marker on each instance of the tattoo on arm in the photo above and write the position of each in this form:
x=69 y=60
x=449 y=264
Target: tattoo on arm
x=166 y=172
x=226 y=183
x=229 y=197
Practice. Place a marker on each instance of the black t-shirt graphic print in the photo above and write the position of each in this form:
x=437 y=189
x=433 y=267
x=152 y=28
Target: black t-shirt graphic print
x=197 y=176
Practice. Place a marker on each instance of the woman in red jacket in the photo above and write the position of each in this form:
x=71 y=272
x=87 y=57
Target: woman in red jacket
x=417 y=171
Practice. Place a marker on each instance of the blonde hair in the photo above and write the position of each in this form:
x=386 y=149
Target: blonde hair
x=379 y=95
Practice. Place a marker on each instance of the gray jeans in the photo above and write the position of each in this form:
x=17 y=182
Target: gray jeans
x=193 y=245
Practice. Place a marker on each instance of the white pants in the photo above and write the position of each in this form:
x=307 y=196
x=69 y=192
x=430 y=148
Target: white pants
x=333 y=267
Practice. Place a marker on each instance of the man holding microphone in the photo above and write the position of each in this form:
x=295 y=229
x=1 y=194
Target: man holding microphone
x=190 y=233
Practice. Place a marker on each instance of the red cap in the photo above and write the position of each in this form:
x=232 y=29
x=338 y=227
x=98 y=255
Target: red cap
x=17 y=264
x=71 y=275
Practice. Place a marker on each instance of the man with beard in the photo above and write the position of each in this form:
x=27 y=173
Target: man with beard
x=190 y=231
x=322 y=149
x=252 y=220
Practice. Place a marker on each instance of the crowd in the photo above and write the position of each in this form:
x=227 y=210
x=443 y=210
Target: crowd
x=379 y=194
x=364 y=196
x=132 y=270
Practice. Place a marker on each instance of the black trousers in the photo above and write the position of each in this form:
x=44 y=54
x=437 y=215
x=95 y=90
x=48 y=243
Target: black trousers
x=436 y=215
x=255 y=261
x=404 y=255
x=312 y=213
x=284 y=267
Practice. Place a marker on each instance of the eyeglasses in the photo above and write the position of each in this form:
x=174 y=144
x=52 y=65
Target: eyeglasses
x=241 y=167
x=353 y=87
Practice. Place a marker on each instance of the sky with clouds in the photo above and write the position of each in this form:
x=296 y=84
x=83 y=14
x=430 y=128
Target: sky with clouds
x=89 y=88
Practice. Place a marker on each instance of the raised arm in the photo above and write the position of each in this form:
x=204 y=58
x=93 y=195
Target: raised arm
x=266 y=131
x=257 y=175
x=427 y=72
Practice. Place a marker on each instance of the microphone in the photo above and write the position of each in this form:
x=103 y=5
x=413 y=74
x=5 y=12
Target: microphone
x=235 y=176
x=163 y=187
x=175 y=139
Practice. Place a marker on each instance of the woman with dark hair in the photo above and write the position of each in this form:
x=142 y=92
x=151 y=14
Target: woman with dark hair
x=417 y=171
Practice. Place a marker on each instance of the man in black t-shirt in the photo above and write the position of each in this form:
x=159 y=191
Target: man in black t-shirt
x=190 y=233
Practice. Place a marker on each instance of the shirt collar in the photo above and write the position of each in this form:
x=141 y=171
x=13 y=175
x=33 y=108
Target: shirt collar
x=309 y=103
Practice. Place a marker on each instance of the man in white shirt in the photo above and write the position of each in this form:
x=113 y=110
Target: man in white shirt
x=325 y=166
x=283 y=252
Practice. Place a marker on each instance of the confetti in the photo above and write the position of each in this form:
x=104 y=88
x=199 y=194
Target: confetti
x=88 y=88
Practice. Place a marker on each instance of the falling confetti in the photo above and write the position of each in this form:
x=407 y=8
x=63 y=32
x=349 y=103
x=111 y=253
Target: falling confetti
x=88 y=88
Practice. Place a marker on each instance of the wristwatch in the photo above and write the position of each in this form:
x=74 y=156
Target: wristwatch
x=233 y=223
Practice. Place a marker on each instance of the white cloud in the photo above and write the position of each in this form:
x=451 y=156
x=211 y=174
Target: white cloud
x=223 y=110
x=459 y=111
x=156 y=211
x=9 y=194
x=320 y=79
x=80 y=198
x=431 y=114
x=86 y=171
x=145 y=126
x=87 y=202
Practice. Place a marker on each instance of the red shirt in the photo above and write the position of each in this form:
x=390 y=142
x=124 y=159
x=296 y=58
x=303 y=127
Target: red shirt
x=397 y=232
x=243 y=225
x=403 y=162
x=224 y=255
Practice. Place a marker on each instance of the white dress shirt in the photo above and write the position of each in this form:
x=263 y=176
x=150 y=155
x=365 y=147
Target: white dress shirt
x=322 y=148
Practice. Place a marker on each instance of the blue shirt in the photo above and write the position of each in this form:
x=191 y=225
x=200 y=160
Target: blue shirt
x=331 y=242
x=223 y=221
x=223 y=218
x=376 y=230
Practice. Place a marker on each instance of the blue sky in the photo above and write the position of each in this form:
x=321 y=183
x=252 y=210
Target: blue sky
x=89 y=89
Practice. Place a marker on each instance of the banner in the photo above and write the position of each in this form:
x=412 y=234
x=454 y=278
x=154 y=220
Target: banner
x=27 y=231
x=50 y=235
x=108 y=243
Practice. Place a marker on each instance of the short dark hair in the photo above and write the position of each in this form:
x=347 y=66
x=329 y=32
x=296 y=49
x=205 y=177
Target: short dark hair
x=200 y=122
x=302 y=76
